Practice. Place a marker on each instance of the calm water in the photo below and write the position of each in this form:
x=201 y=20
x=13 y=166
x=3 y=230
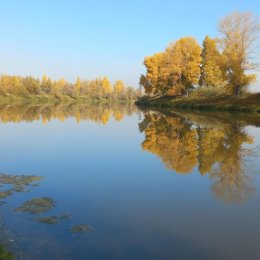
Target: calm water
x=142 y=185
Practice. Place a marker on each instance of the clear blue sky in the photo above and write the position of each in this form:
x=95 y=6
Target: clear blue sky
x=97 y=38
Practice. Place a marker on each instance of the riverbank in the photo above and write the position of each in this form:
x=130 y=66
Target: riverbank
x=245 y=104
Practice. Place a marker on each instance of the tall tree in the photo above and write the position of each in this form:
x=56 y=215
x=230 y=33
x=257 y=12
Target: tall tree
x=46 y=84
x=152 y=80
x=212 y=73
x=106 y=85
x=188 y=51
x=119 y=88
x=240 y=37
x=78 y=86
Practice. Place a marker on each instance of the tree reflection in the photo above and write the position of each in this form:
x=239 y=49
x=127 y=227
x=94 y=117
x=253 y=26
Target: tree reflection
x=171 y=139
x=217 y=150
x=98 y=112
x=231 y=181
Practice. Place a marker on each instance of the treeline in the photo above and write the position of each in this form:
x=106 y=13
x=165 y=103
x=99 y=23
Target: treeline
x=100 y=88
x=222 y=64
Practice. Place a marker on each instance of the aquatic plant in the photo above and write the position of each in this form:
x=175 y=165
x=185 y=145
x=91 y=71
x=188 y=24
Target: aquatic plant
x=50 y=220
x=5 y=194
x=4 y=254
x=37 y=205
x=83 y=228
x=18 y=182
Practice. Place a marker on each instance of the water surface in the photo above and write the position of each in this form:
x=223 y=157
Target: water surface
x=126 y=184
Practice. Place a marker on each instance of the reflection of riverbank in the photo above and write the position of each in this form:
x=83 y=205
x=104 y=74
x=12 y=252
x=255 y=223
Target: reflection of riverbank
x=97 y=112
x=185 y=142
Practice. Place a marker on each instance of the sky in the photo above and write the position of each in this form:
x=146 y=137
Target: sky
x=89 y=39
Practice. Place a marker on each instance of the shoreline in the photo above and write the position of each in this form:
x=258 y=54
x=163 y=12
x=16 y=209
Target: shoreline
x=247 y=104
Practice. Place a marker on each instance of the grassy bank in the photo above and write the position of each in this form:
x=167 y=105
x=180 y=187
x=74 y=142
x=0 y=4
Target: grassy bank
x=246 y=104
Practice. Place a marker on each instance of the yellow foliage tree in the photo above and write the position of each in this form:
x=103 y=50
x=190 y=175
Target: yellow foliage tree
x=118 y=89
x=78 y=86
x=57 y=87
x=106 y=85
x=46 y=84
x=212 y=73
x=151 y=81
x=184 y=59
x=173 y=71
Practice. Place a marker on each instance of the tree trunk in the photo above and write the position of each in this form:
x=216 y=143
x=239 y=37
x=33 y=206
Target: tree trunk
x=237 y=91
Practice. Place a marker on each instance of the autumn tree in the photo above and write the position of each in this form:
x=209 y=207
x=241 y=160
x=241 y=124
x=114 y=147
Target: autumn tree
x=46 y=84
x=78 y=86
x=183 y=63
x=212 y=73
x=173 y=71
x=118 y=89
x=106 y=86
x=240 y=37
x=32 y=85
x=151 y=81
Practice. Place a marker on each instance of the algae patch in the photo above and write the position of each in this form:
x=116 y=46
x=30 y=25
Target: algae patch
x=18 y=183
x=83 y=228
x=48 y=220
x=5 y=194
x=37 y=205
x=4 y=254
x=52 y=219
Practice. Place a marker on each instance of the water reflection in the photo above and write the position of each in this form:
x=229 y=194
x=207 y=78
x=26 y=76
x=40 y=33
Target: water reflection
x=97 y=112
x=93 y=202
x=9 y=185
x=186 y=141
